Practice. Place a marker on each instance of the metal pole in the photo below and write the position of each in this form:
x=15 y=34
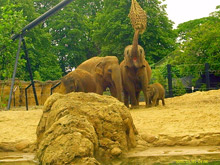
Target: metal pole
x=26 y=96
x=14 y=73
x=29 y=69
x=207 y=78
x=170 y=87
x=43 y=17
x=53 y=87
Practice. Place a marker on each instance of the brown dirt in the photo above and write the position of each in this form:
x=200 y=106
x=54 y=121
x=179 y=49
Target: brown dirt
x=189 y=114
x=18 y=124
x=191 y=119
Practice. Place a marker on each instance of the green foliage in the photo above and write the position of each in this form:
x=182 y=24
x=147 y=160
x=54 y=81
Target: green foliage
x=159 y=40
x=178 y=87
x=203 y=87
x=71 y=30
x=11 y=22
x=113 y=31
x=200 y=44
x=37 y=76
x=87 y=28
x=3 y=98
x=13 y=19
x=159 y=75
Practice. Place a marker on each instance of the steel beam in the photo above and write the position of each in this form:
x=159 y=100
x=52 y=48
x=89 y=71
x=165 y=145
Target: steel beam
x=14 y=73
x=41 y=18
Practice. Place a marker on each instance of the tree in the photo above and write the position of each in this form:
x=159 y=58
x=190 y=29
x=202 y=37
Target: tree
x=71 y=30
x=184 y=28
x=200 y=44
x=38 y=44
x=113 y=31
x=11 y=23
x=160 y=39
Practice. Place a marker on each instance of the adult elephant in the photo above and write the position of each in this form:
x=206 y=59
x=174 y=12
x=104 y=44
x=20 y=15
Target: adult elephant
x=106 y=71
x=136 y=73
x=77 y=81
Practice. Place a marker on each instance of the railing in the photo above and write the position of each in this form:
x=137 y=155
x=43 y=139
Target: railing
x=26 y=96
x=53 y=87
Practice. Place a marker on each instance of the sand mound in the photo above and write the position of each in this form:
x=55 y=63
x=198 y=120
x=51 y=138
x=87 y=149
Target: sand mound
x=80 y=126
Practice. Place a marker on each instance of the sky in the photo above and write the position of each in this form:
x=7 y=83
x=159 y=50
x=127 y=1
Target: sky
x=180 y=11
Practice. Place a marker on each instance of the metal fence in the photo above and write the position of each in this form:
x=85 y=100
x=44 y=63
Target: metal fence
x=181 y=79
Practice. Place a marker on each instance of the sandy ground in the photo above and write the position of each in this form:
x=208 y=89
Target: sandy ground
x=189 y=114
x=193 y=113
x=18 y=124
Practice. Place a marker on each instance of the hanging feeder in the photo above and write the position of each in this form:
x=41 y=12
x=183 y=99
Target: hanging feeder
x=138 y=17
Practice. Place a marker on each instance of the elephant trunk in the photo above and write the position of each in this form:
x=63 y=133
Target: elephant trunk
x=134 y=51
x=116 y=77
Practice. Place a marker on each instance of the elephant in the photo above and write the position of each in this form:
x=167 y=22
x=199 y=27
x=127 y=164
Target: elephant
x=77 y=81
x=136 y=73
x=106 y=71
x=155 y=93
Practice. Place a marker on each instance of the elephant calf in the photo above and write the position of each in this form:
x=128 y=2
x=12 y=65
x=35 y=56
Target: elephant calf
x=77 y=81
x=155 y=93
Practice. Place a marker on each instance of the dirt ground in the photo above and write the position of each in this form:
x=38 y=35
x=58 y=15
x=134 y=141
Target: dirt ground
x=193 y=115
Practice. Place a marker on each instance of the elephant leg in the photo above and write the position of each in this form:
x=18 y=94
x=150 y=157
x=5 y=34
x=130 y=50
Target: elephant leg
x=157 y=102
x=99 y=89
x=134 y=103
x=163 y=101
x=113 y=91
x=137 y=97
x=126 y=102
x=130 y=91
x=144 y=83
x=154 y=102
x=147 y=100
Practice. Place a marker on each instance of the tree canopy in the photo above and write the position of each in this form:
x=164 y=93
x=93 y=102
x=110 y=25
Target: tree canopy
x=15 y=14
x=200 y=43
x=87 y=28
x=113 y=30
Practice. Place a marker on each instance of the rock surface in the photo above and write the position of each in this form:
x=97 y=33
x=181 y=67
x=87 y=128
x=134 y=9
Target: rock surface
x=83 y=127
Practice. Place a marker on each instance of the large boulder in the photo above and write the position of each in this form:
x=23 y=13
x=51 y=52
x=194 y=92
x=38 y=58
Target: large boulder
x=83 y=128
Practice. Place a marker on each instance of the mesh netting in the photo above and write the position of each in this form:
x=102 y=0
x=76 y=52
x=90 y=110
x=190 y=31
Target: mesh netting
x=138 y=17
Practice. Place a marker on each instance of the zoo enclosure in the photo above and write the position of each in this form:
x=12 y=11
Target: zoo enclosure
x=20 y=36
x=186 y=78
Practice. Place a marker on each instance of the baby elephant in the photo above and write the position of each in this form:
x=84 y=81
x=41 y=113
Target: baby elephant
x=77 y=81
x=155 y=93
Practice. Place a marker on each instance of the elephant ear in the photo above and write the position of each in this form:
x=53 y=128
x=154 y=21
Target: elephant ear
x=75 y=88
x=99 y=69
x=151 y=90
x=127 y=54
x=78 y=86
x=154 y=90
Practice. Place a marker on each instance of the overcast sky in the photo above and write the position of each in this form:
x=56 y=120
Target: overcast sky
x=180 y=11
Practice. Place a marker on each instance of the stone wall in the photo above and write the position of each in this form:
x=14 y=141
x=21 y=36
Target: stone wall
x=18 y=98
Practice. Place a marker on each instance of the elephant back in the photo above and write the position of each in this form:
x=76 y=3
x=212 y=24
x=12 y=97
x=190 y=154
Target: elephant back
x=90 y=64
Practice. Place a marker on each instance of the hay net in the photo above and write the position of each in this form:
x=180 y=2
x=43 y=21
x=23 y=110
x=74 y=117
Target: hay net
x=138 y=17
